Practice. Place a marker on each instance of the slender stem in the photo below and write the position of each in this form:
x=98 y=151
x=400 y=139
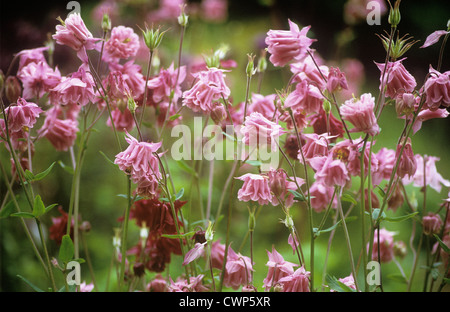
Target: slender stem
x=363 y=212
x=125 y=234
x=144 y=101
x=49 y=264
x=441 y=52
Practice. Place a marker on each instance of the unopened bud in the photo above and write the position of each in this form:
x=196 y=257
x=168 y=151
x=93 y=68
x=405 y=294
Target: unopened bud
x=277 y=182
x=326 y=106
x=183 y=18
x=262 y=62
x=250 y=70
x=251 y=221
x=13 y=89
x=394 y=14
x=85 y=226
x=209 y=234
x=106 y=23
x=218 y=113
x=405 y=105
x=152 y=38
x=131 y=104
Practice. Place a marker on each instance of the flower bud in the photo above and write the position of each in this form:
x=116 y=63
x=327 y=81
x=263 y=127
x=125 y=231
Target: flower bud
x=218 y=113
x=152 y=38
x=405 y=105
x=394 y=14
x=432 y=224
x=400 y=249
x=277 y=182
x=326 y=106
x=250 y=69
x=13 y=89
x=106 y=23
x=183 y=18
x=251 y=221
x=85 y=226
x=131 y=104
x=262 y=62
x=209 y=234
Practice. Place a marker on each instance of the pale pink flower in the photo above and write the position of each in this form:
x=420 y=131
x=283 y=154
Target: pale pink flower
x=316 y=145
x=306 y=98
x=214 y=10
x=280 y=185
x=307 y=69
x=264 y=105
x=432 y=223
x=348 y=281
x=434 y=37
x=22 y=115
x=138 y=160
x=386 y=246
x=60 y=132
x=329 y=171
x=288 y=45
x=293 y=242
x=182 y=285
x=278 y=268
x=77 y=88
x=405 y=104
x=166 y=86
x=237 y=270
x=123 y=43
x=86 y=287
x=109 y=7
x=131 y=76
x=255 y=188
x=437 y=89
x=297 y=281
x=168 y=10
x=193 y=254
x=123 y=119
x=37 y=79
x=433 y=178
x=397 y=80
x=116 y=86
x=427 y=114
x=407 y=164
x=321 y=196
x=31 y=56
x=210 y=86
x=258 y=131
x=360 y=112
x=386 y=162
x=158 y=284
x=336 y=80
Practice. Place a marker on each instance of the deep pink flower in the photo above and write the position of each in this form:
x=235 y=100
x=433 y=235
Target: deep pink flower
x=321 y=196
x=182 y=285
x=324 y=123
x=306 y=69
x=287 y=45
x=396 y=78
x=336 y=80
x=360 y=112
x=210 y=87
x=306 y=98
x=140 y=163
x=316 y=145
x=386 y=162
x=296 y=282
x=60 y=132
x=264 y=105
x=437 y=89
x=433 y=178
x=329 y=171
x=214 y=10
x=31 y=56
x=75 y=89
x=434 y=37
x=278 y=268
x=408 y=163
x=350 y=153
x=255 y=188
x=22 y=115
x=166 y=86
x=432 y=223
x=123 y=120
x=258 y=131
x=122 y=44
x=131 y=76
x=237 y=270
x=37 y=79
x=158 y=284
x=386 y=246
x=280 y=184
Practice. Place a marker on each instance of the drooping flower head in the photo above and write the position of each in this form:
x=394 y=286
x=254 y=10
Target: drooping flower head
x=432 y=177
x=437 y=89
x=432 y=223
x=296 y=282
x=397 y=79
x=123 y=44
x=306 y=98
x=22 y=115
x=360 y=112
x=255 y=188
x=237 y=270
x=287 y=45
x=60 y=132
x=37 y=79
x=278 y=268
x=384 y=241
x=408 y=163
x=259 y=132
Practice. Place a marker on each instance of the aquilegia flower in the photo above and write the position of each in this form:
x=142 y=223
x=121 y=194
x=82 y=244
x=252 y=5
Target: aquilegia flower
x=360 y=112
x=397 y=79
x=122 y=44
x=255 y=188
x=259 y=132
x=22 y=115
x=437 y=89
x=278 y=268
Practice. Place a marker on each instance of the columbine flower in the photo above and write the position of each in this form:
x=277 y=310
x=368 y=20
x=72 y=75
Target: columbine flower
x=316 y=145
x=22 y=116
x=323 y=122
x=122 y=44
x=348 y=281
x=182 y=285
x=214 y=10
x=60 y=132
x=432 y=224
x=31 y=56
x=360 y=113
x=287 y=45
x=123 y=119
x=329 y=171
x=296 y=282
x=37 y=79
x=264 y=105
x=139 y=161
x=437 y=89
x=306 y=69
x=433 y=177
x=306 y=98
x=158 y=284
x=278 y=268
x=258 y=131
x=321 y=196
x=397 y=79
x=280 y=185
x=386 y=161
x=408 y=163
x=237 y=270
x=255 y=188
x=336 y=80
x=434 y=37
x=385 y=244
x=131 y=76
x=210 y=87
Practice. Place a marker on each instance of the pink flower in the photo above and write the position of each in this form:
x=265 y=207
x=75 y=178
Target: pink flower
x=405 y=104
x=329 y=171
x=386 y=162
x=182 y=285
x=336 y=80
x=427 y=114
x=131 y=76
x=31 y=56
x=357 y=10
x=196 y=252
x=158 y=284
x=258 y=131
x=278 y=268
x=385 y=244
x=324 y=123
x=408 y=163
x=37 y=79
x=280 y=185
x=396 y=78
x=123 y=119
x=360 y=113
x=76 y=89
x=432 y=224
x=264 y=105
x=210 y=87
x=296 y=282
x=86 y=287
x=287 y=45
x=255 y=188
x=214 y=10
x=237 y=270
x=217 y=254
x=122 y=44
x=434 y=37
x=350 y=153
x=433 y=178
x=321 y=196
x=138 y=160
x=305 y=98
x=22 y=115
x=307 y=70
x=166 y=86
x=60 y=132
x=316 y=145
x=168 y=10
x=73 y=33
x=348 y=281
x=437 y=89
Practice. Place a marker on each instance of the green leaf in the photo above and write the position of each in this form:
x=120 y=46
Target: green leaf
x=185 y=235
x=29 y=176
x=381 y=191
x=30 y=284
x=66 y=251
x=397 y=278
x=297 y=195
x=401 y=218
x=7 y=210
x=173 y=117
x=27 y=215
x=348 y=198
x=255 y=163
x=38 y=207
x=179 y=194
x=337 y=285
x=184 y=166
x=444 y=247
x=106 y=157
x=66 y=168
x=43 y=174
x=48 y=208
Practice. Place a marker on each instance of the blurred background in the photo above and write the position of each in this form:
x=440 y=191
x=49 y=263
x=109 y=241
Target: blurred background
x=341 y=35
